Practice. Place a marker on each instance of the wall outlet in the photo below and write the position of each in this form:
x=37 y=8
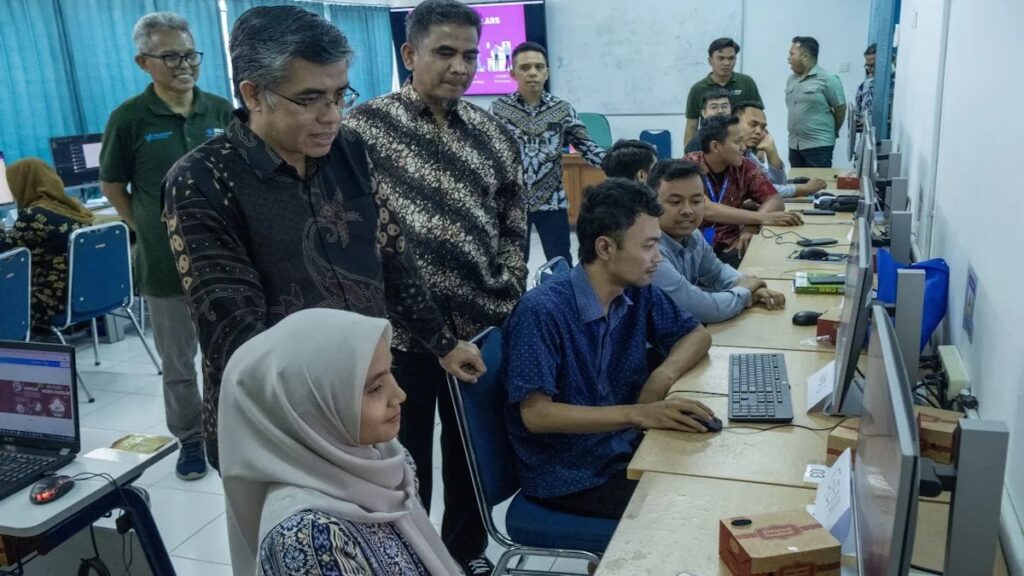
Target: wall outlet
x=956 y=373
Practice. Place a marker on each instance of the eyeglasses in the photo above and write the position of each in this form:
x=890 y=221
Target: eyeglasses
x=174 y=60
x=323 y=101
x=719 y=108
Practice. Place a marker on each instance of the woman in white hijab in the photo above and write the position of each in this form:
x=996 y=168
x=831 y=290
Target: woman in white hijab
x=314 y=479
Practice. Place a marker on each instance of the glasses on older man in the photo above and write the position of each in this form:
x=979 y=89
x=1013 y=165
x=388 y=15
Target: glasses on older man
x=723 y=108
x=313 y=103
x=174 y=60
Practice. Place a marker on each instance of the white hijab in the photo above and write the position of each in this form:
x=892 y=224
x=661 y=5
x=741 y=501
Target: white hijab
x=290 y=409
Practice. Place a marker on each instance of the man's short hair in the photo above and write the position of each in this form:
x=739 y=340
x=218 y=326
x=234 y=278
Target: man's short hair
x=871 y=49
x=438 y=12
x=742 y=107
x=721 y=44
x=609 y=209
x=627 y=157
x=715 y=129
x=267 y=39
x=529 y=46
x=809 y=44
x=713 y=94
x=671 y=170
x=155 y=22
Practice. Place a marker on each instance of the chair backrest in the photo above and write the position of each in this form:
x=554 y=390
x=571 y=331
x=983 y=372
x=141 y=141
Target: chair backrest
x=480 y=411
x=597 y=126
x=15 y=294
x=550 y=269
x=99 y=271
x=660 y=139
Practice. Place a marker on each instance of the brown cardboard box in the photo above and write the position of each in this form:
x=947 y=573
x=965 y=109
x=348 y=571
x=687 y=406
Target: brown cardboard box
x=828 y=325
x=842 y=437
x=11 y=549
x=939 y=431
x=790 y=543
x=847 y=182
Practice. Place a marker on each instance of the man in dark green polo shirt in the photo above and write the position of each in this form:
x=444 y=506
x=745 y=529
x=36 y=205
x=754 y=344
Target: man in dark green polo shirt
x=722 y=58
x=144 y=137
x=816 y=104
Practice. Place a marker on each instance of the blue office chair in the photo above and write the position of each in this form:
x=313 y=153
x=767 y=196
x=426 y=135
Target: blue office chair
x=16 y=294
x=533 y=530
x=597 y=126
x=99 y=283
x=550 y=269
x=660 y=139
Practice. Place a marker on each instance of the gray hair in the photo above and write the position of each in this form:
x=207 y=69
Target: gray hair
x=435 y=12
x=154 y=22
x=265 y=40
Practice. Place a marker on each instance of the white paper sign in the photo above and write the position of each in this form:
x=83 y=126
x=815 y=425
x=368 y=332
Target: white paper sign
x=833 y=502
x=820 y=386
x=815 y=473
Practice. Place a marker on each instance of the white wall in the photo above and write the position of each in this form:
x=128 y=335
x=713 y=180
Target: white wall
x=977 y=220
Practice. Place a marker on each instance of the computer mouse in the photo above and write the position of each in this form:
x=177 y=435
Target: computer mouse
x=799 y=180
x=713 y=425
x=806 y=318
x=813 y=254
x=51 y=488
x=824 y=194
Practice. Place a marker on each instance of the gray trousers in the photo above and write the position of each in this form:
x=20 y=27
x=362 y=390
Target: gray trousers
x=177 y=346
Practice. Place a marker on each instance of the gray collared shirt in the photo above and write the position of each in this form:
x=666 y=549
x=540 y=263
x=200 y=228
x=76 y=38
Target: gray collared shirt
x=697 y=281
x=776 y=175
x=810 y=100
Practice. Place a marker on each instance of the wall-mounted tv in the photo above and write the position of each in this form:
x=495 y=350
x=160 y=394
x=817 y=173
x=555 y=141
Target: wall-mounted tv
x=505 y=26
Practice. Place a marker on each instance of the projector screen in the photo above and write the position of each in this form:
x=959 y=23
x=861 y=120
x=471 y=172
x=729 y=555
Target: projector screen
x=505 y=26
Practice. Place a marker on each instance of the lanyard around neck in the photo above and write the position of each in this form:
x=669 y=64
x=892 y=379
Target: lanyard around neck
x=716 y=197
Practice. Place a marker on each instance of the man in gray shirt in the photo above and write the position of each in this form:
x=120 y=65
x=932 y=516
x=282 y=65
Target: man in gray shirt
x=689 y=272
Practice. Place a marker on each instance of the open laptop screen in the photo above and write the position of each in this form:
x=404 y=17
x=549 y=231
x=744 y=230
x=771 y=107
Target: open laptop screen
x=37 y=396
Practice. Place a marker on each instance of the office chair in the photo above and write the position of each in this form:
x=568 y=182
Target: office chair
x=99 y=282
x=660 y=139
x=550 y=269
x=533 y=530
x=597 y=126
x=16 y=294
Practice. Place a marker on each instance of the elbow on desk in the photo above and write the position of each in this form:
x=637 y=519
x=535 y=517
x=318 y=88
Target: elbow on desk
x=701 y=339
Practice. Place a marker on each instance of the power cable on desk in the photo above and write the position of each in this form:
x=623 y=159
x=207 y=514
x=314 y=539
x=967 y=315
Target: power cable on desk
x=695 y=392
x=925 y=570
x=776 y=427
x=766 y=233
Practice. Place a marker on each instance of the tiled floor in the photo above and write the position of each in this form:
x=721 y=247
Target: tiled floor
x=190 y=515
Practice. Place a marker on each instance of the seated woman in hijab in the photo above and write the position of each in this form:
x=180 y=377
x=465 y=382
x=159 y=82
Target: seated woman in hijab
x=46 y=218
x=314 y=478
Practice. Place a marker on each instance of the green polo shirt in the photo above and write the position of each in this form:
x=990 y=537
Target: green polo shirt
x=810 y=101
x=741 y=89
x=143 y=139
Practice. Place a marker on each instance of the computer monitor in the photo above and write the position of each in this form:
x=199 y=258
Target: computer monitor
x=6 y=196
x=886 y=473
x=77 y=159
x=851 y=127
x=853 y=322
x=866 y=208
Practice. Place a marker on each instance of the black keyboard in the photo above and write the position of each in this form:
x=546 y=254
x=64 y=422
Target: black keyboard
x=18 y=471
x=759 y=388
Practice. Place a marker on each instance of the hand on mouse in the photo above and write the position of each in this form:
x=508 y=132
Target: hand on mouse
x=771 y=299
x=672 y=414
x=781 y=219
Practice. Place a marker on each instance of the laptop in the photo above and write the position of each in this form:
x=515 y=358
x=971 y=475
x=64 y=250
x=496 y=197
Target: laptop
x=39 y=429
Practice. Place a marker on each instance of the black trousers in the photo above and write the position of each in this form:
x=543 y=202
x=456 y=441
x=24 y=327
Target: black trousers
x=553 y=229
x=424 y=383
x=820 y=157
x=609 y=500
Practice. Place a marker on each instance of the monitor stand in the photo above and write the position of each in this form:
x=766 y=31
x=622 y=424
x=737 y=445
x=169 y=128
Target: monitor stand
x=854 y=403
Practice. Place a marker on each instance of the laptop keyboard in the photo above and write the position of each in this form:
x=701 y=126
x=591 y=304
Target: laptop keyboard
x=18 y=471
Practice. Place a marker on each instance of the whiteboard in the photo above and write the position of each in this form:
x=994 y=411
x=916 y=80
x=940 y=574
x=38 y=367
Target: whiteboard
x=634 y=56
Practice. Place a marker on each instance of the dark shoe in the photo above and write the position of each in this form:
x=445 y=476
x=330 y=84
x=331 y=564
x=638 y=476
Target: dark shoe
x=191 y=461
x=479 y=566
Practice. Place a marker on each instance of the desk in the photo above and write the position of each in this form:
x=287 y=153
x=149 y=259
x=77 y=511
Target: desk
x=671 y=526
x=49 y=525
x=577 y=175
x=759 y=327
x=829 y=175
x=837 y=218
x=777 y=456
x=767 y=259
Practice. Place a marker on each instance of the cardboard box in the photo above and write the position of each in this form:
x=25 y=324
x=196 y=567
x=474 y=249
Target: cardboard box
x=828 y=325
x=844 y=436
x=790 y=543
x=939 y=433
x=12 y=549
x=847 y=182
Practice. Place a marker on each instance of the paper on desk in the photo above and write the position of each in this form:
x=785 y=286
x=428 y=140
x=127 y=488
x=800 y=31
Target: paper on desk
x=820 y=386
x=833 y=502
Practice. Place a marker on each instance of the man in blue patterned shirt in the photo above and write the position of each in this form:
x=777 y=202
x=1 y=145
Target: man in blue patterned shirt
x=576 y=372
x=543 y=125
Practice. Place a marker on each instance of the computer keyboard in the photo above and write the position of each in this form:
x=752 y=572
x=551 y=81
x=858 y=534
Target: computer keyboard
x=19 y=471
x=759 y=388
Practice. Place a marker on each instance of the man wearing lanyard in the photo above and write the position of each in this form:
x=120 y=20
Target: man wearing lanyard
x=730 y=180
